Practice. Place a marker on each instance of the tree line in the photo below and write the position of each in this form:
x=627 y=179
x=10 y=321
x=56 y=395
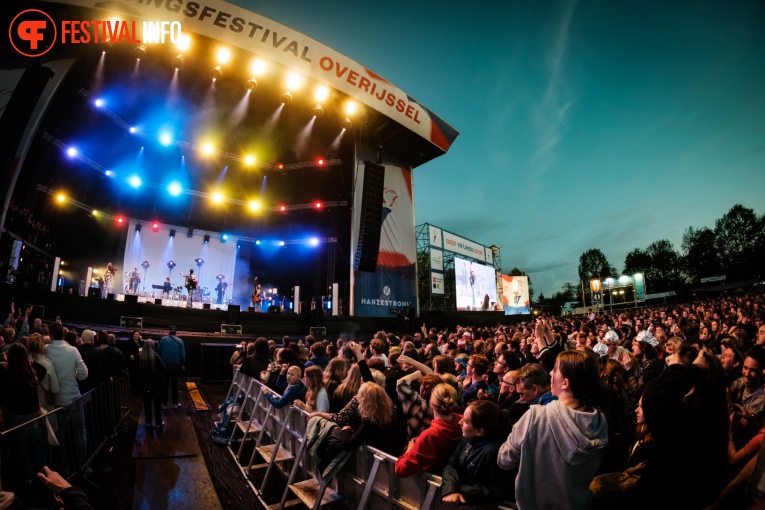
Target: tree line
x=735 y=247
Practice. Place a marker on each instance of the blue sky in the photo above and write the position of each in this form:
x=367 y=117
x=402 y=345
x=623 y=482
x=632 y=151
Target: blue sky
x=583 y=124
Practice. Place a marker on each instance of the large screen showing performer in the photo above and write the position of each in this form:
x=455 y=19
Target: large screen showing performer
x=515 y=295
x=476 y=286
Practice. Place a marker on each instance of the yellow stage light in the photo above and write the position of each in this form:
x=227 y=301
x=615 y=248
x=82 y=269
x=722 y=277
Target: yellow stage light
x=61 y=197
x=207 y=149
x=258 y=67
x=224 y=55
x=351 y=107
x=294 y=81
x=254 y=205
x=249 y=160
x=217 y=197
x=321 y=93
x=184 y=42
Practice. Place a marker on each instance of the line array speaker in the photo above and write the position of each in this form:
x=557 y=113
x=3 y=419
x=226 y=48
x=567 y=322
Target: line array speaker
x=370 y=225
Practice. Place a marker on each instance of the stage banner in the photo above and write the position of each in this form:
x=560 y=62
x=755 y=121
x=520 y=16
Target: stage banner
x=436 y=260
x=392 y=285
x=464 y=247
x=435 y=236
x=489 y=257
x=236 y=26
x=515 y=295
x=639 y=286
x=436 y=283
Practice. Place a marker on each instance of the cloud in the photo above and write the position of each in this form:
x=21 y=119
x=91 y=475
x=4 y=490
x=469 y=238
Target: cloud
x=552 y=111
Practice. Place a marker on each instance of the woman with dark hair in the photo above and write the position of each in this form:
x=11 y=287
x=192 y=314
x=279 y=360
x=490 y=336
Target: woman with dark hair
x=471 y=475
x=151 y=383
x=567 y=437
x=477 y=367
x=346 y=390
x=256 y=363
x=18 y=397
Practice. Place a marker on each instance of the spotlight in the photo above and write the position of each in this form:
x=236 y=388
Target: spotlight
x=314 y=242
x=172 y=232
x=174 y=188
x=282 y=208
x=99 y=103
x=217 y=197
x=171 y=264
x=71 y=152
x=94 y=213
x=207 y=238
x=135 y=181
x=215 y=73
x=346 y=124
x=132 y=130
x=257 y=241
x=177 y=62
x=165 y=139
x=223 y=238
x=140 y=52
x=258 y=66
x=320 y=162
x=317 y=205
x=223 y=56
x=317 y=111
x=184 y=42
x=321 y=93
x=109 y=173
x=251 y=84
x=207 y=149
x=294 y=81
x=286 y=98
x=137 y=227
x=351 y=107
x=190 y=233
x=279 y=166
x=254 y=205
x=155 y=227
x=61 y=198
x=249 y=160
x=120 y=220
x=281 y=243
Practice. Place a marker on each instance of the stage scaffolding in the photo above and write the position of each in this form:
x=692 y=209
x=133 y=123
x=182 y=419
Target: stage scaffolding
x=429 y=301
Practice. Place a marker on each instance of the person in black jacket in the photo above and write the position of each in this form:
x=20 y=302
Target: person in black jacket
x=151 y=383
x=95 y=360
x=472 y=475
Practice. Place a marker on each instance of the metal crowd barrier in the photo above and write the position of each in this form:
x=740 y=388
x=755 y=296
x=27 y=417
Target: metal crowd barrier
x=81 y=429
x=367 y=480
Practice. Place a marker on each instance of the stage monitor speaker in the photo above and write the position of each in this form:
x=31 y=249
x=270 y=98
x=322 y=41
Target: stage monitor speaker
x=251 y=309
x=206 y=306
x=233 y=314
x=157 y=301
x=370 y=225
x=131 y=304
x=110 y=297
x=94 y=292
x=274 y=309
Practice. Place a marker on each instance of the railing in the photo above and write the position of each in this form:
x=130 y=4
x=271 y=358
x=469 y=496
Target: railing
x=81 y=429
x=367 y=480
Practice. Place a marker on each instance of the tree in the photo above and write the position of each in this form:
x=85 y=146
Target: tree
x=637 y=261
x=738 y=237
x=664 y=272
x=517 y=272
x=593 y=263
x=700 y=258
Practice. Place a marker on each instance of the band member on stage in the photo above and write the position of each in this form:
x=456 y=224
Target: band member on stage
x=135 y=279
x=191 y=285
x=221 y=289
x=167 y=288
x=256 y=294
x=108 y=278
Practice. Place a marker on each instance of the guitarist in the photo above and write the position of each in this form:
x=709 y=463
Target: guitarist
x=191 y=285
x=256 y=294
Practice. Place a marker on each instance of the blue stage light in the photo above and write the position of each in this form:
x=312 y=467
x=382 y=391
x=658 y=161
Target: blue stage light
x=135 y=181
x=99 y=103
x=313 y=241
x=165 y=139
x=281 y=243
x=257 y=242
x=174 y=188
x=71 y=152
x=223 y=238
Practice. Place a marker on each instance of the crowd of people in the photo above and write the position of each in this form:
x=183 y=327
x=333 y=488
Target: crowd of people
x=649 y=407
x=48 y=366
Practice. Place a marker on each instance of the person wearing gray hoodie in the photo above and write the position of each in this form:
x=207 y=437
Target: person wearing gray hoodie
x=558 y=447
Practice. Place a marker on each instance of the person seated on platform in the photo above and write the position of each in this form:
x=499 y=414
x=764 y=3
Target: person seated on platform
x=286 y=358
x=471 y=475
x=295 y=390
x=241 y=352
x=334 y=375
x=431 y=450
x=316 y=398
x=257 y=362
x=318 y=356
x=346 y=390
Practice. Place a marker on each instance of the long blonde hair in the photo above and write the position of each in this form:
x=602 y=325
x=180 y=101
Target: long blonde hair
x=374 y=404
x=314 y=383
x=336 y=370
x=443 y=399
x=146 y=359
x=350 y=385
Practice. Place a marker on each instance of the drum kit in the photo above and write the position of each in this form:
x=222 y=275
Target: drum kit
x=131 y=284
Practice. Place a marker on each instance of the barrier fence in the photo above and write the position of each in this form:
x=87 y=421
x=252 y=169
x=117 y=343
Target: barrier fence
x=66 y=439
x=277 y=437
